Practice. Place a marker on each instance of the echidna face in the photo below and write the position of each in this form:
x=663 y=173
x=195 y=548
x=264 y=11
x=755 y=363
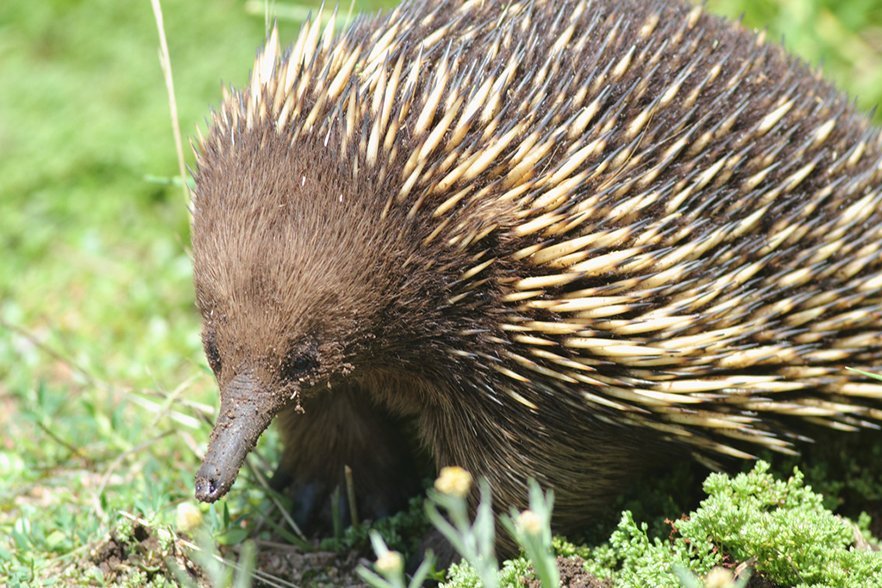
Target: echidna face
x=256 y=382
x=282 y=271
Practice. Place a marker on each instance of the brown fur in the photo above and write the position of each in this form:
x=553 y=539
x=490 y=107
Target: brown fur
x=348 y=297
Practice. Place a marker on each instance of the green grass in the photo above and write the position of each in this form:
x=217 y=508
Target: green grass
x=96 y=280
x=99 y=343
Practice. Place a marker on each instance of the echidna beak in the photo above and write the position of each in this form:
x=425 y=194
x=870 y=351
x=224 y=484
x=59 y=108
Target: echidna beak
x=246 y=412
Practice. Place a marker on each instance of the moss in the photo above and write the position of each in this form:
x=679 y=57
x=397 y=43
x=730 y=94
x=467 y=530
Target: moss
x=782 y=526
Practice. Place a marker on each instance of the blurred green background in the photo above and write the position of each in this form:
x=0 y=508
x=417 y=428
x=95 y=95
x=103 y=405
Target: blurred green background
x=98 y=329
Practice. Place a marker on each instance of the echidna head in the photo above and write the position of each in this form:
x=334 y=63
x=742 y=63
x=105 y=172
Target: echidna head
x=286 y=275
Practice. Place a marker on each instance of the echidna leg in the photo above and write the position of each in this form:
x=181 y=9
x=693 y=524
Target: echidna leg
x=340 y=428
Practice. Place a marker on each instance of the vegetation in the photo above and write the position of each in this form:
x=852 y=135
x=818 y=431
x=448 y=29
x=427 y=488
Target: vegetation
x=104 y=391
x=779 y=528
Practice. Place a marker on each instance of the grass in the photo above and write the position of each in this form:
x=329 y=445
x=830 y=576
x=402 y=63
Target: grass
x=103 y=387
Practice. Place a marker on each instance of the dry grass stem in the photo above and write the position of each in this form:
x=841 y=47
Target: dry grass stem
x=165 y=63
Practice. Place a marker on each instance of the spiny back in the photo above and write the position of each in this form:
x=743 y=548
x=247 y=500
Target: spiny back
x=679 y=224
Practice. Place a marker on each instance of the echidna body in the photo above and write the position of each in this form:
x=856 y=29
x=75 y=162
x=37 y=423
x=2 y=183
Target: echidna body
x=536 y=239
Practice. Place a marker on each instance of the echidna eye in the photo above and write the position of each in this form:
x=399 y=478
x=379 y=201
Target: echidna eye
x=212 y=355
x=297 y=364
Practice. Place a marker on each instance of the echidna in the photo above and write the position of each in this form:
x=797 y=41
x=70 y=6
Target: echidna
x=535 y=238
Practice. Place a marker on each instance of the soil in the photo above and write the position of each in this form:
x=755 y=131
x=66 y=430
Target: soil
x=141 y=555
x=120 y=557
x=573 y=575
x=315 y=569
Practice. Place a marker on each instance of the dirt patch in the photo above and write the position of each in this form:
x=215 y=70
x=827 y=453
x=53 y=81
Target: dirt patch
x=315 y=569
x=573 y=575
x=757 y=580
x=139 y=555
x=137 y=552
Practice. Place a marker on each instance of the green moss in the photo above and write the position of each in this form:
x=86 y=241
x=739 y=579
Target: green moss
x=785 y=526
x=402 y=532
x=781 y=526
x=513 y=574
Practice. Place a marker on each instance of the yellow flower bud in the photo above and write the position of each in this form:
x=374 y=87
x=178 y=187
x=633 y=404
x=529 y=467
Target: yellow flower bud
x=454 y=480
x=529 y=523
x=187 y=517
x=719 y=578
x=390 y=562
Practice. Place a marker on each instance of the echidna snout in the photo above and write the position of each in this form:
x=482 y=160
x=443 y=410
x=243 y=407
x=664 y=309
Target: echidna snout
x=548 y=239
x=245 y=413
